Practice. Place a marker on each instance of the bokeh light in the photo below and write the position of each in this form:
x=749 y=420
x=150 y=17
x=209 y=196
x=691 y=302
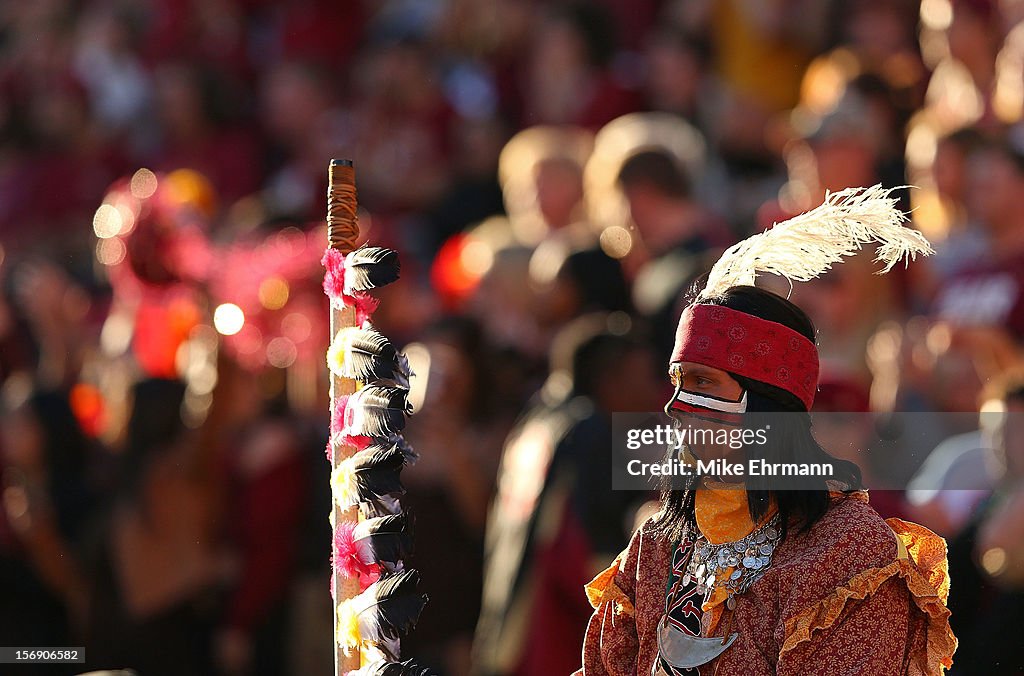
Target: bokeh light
x=144 y=183
x=107 y=222
x=273 y=293
x=281 y=352
x=228 y=319
x=616 y=241
x=111 y=251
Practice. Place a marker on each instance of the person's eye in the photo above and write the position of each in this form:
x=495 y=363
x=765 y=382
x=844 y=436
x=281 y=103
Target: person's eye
x=704 y=382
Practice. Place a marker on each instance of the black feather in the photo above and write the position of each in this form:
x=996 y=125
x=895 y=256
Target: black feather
x=377 y=411
x=406 y=668
x=397 y=443
x=370 y=356
x=398 y=605
x=381 y=505
x=411 y=456
x=388 y=539
x=370 y=267
x=377 y=473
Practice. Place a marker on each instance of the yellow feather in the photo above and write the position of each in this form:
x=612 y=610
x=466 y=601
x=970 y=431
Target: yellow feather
x=338 y=352
x=343 y=485
x=348 y=636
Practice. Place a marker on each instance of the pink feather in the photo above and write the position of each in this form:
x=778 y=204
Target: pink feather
x=346 y=561
x=334 y=275
x=338 y=414
x=346 y=558
x=365 y=306
x=334 y=286
x=359 y=442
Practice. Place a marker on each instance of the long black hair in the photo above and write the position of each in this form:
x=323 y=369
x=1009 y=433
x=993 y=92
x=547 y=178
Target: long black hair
x=791 y=440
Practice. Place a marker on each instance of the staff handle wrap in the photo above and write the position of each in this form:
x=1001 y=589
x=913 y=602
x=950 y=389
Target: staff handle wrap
x=342 y=234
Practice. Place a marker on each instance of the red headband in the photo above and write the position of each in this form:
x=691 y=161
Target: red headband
x=749 y=346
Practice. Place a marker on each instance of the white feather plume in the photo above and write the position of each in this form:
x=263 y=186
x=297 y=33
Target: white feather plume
x=807 y=245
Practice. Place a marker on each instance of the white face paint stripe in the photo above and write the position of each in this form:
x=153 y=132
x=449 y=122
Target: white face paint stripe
x=712 y=403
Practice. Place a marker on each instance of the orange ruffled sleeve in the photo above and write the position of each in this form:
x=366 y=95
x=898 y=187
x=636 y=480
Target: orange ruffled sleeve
x=603 y=589
x=611 y=643
x=921 y=565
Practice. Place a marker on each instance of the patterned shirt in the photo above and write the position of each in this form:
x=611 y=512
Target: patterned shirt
x=683 y=601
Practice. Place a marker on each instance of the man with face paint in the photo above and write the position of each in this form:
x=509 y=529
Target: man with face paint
x=737 y=576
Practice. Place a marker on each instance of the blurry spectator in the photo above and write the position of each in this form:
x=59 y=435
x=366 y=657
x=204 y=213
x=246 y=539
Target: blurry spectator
x=54 y=307
x=963 y=50
x=986 y=558
x=319 y=31
x=458 y=432
x=990 y=293
x=835 y=149
x=957 y=474
x=107 y=61
x=555 y=516
x=474 y=192
x=296 y=111
x=199 y=129
x=761 y=50
x=882 y=34
x=541 y=172
x=154 y=584
x=958 y=239
x=676 y=78
x=505 y=306
x=262 y=500
x=676 y=233
x=567 y=79
x=847 y=305
x=47 y=505
x=400 y=126
x=17 y=350
x=841 y=142
x=846 y=430
x=207 y=32
x=572 y=284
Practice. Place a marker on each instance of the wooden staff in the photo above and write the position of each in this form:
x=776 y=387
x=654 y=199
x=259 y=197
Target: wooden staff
x=342 y=234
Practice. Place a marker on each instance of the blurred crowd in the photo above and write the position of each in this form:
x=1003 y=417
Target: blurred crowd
x=556 y=176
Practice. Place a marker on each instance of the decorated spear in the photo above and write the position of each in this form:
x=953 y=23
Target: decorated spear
x=342 y=236
x=375 y=599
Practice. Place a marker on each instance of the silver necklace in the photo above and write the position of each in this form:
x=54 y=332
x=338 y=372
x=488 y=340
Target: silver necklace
x=748 y=558
x=734 y=565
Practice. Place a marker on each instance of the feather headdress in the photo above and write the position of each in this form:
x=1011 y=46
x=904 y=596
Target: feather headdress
x=377 y=617
x=807 y=245
x=381 y=541
x=365 y=354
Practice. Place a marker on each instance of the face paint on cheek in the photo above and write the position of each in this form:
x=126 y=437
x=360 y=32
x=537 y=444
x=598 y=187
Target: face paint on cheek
x=701 y=421
x=707 y=408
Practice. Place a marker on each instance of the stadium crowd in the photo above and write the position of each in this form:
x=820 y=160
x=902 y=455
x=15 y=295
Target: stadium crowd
x=555 y=175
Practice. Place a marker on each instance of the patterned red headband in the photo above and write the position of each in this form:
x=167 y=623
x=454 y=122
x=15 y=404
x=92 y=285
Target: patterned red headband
x=749 y=346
